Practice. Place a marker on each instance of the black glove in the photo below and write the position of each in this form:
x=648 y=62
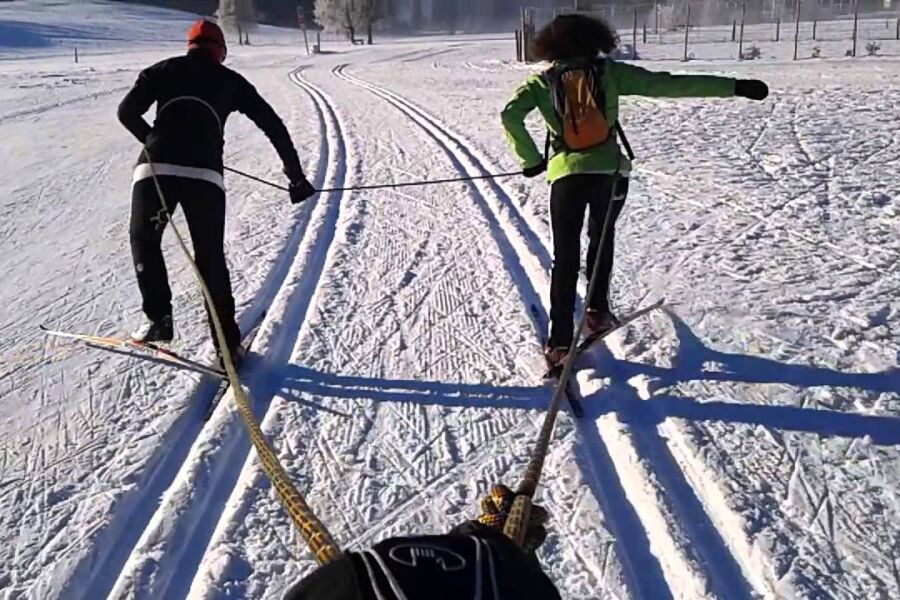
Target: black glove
x=300 y=190
x=535 y=170
x=751 y=88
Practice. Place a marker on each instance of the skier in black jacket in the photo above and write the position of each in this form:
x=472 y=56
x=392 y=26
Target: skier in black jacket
x=194 y=94
x=474 y=560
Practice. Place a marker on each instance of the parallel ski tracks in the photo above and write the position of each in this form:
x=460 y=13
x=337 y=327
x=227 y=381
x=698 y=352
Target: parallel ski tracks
x=156 y=546
x=525 y=256
x=637 y=480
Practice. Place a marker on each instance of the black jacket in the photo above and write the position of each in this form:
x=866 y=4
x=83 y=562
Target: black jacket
x=194 y=96
x=472 y=562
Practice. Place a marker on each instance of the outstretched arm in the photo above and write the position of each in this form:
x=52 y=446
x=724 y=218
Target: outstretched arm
x=138 y=101
x=636 y=81
x=261 y=113
x=513 y=117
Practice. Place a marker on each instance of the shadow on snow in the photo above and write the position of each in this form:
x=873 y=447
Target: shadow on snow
x=305 y=385
x=689 y=366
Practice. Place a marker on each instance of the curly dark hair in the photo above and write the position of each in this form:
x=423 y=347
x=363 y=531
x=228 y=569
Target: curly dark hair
x=574 y=36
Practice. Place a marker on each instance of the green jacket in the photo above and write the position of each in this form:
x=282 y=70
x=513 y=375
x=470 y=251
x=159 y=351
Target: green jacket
x=619 y=79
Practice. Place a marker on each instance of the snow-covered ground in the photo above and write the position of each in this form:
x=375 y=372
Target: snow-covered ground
x=743 y=444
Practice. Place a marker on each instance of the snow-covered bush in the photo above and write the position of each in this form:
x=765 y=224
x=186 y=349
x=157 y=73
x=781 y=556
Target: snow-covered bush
x=238 y=16
x=349 y=15
x=752 y=53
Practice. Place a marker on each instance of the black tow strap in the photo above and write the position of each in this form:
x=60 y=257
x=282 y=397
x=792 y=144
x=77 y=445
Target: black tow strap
x=619 y=131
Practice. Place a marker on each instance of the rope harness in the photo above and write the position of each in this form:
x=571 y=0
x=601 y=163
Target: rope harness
x=311 y=528
x=502 y=509
x=381 y=186
x=520 y=517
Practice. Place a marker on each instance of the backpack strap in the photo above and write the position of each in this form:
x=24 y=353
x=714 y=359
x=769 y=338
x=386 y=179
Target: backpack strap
x=625 y=143
x=553 y=77
x=600 y=96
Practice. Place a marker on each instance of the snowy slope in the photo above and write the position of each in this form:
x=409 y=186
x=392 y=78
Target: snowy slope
x=743 y=445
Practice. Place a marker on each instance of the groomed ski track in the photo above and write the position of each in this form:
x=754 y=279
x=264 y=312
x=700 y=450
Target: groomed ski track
x=733 y=456
x=664 y=539
x=695 y=560
x=523 y=277
x=171 y=546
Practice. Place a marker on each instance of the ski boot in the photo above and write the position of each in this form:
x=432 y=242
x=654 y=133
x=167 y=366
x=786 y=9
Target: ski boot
x=237 y=357
x=157 y=331
x=599 y=322
x=555 y=355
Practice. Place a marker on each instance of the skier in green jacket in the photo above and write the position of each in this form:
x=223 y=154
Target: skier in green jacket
x=578 y=97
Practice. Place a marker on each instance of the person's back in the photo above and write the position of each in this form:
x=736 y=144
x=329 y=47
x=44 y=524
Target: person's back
x=482 y=564
x=194 y=98
x=581 y=89
x=180 y=164
x=195 y=94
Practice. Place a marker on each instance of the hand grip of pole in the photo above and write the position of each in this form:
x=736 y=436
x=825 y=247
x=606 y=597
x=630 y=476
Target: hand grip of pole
x=517 y=522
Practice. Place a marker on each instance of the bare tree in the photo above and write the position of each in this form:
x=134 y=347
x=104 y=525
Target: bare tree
x=238 y=16
x=350 y=15
x=416 y=21
x=340 y=15
x=370 y=12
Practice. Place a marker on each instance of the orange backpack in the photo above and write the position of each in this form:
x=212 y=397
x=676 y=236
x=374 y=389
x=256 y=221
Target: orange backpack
x=579 y=100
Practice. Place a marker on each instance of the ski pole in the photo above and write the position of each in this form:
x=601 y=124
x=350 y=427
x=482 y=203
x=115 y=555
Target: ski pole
x=381 y=186
x=520 y=512
x=313 y=531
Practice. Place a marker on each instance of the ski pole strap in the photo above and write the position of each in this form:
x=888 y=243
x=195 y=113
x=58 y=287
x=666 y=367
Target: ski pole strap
x=625 y=143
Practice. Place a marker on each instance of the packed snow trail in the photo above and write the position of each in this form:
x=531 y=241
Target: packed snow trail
x=90 y=437
x=169 y=551
x=694 y=562
x=439 y=329
x=687 y=235
x=745 y=443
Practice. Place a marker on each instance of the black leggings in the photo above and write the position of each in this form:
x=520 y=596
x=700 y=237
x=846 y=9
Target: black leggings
x=203 y=204
x=569 y=197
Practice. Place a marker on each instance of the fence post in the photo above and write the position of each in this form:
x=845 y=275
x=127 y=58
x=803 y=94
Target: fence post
x=524 y=41
x=741 y=39
x=634 y=37
x=687 y=30
x=796 y=28
x=733 y=30
x=645 y=31
x=855 y=24
x=815 y=25
x=656 y=16
x=76 y=55
x=898 y=28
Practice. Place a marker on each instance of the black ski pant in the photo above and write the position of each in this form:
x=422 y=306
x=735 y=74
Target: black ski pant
x=203 y=204
x=569 y=197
